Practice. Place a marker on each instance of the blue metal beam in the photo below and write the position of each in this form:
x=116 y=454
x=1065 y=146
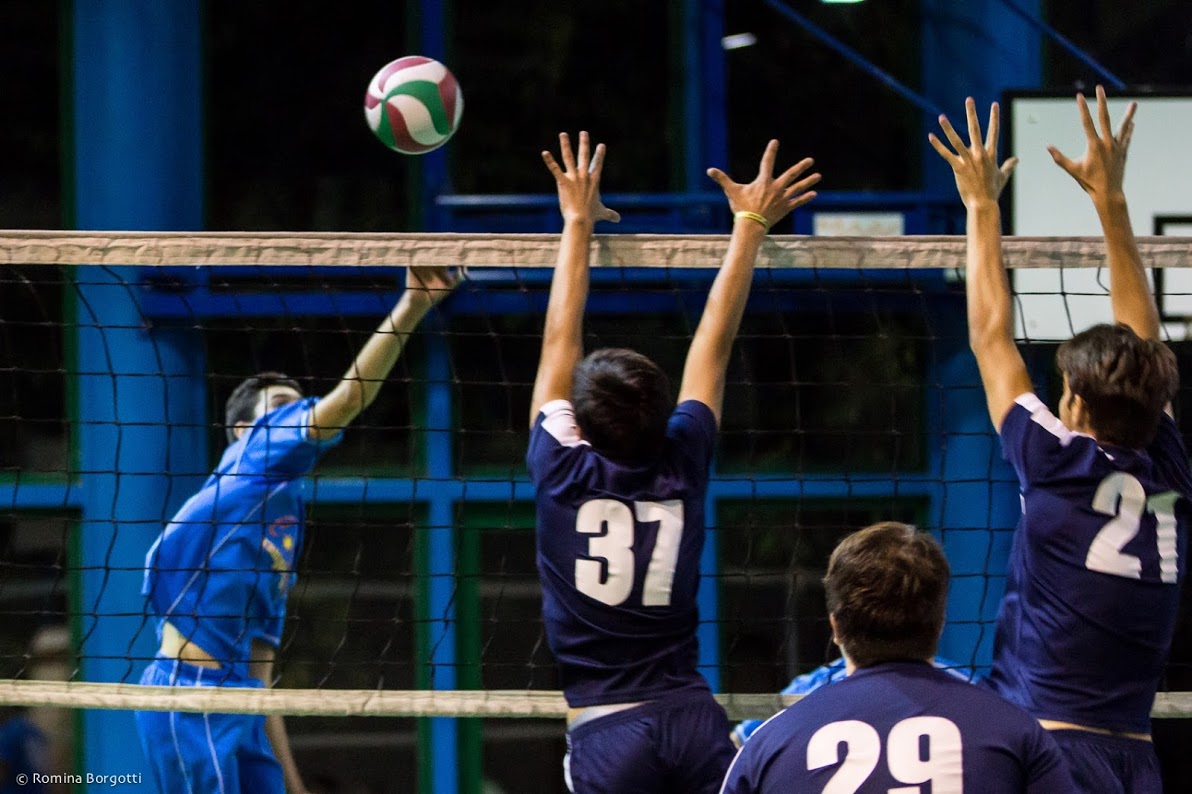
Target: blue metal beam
x=924 y=103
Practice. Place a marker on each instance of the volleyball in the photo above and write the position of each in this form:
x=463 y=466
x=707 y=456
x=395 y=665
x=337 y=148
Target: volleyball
x=413 y=104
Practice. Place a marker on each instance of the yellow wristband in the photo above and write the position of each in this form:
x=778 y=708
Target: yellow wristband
x=753 y=216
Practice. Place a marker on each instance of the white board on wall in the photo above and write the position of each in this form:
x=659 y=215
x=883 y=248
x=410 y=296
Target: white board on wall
x=1054 y=304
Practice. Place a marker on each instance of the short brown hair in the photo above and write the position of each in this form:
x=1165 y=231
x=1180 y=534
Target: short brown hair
x=622 y=403
x=1124 y=380
x=242 y=404
x=887 y=589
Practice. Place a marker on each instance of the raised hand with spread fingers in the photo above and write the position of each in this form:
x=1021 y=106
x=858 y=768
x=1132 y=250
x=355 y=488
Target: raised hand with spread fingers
x=980 y=181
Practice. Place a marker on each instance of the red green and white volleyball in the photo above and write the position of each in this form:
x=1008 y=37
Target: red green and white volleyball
x=413 y=105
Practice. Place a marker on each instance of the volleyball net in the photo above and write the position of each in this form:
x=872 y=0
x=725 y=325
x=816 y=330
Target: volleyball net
x=852 y=397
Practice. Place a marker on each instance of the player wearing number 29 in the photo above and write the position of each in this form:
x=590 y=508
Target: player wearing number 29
x=621 y=475
x=896 y=721
x=1093 y=585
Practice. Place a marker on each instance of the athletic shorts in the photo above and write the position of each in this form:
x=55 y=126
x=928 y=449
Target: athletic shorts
x=206 y=753
x=1110 y=764
x=676 y=744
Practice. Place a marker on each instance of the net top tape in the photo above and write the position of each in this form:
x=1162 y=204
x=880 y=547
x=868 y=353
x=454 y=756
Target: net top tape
x=182 y=249
x=377 y=702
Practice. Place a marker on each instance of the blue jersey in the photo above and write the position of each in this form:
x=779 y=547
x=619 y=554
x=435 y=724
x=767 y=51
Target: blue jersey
x=1092 y=589
x=220 y=571
x=618 y=556
x=835 y=671
x=894 y=727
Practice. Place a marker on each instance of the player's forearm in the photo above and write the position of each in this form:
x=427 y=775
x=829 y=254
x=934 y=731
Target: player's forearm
x=562 y=336
x=990 y=317
x=730 y=291
x=569 y=288
x=275 y=730
x=1129 y=291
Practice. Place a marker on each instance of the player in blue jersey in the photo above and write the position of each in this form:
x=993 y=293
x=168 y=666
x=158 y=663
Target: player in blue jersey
x=621 y=474
x=832 y=673
x=1093 y=584
x=218 y=576
x=896 y=722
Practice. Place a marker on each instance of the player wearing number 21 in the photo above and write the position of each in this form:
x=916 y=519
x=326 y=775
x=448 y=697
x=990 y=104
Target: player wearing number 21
x=1093 y=584
x=621 y=475
x=896 y=721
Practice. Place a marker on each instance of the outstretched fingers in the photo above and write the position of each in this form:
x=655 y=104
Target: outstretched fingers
x=974 y=123
x=941 y=148
x=802 y=185
x=1103 y=115
x=801 y=199
x=581 y=163
x=793 y=173
x=1086 y=118
x=1008 y=168
x=1062 y=160
x=719 y=177
x=597 y=164
x=953 y=138
x=565 y=151
x=766 y=169
x=552 y=165
x=991 y=134
x=1127 y=127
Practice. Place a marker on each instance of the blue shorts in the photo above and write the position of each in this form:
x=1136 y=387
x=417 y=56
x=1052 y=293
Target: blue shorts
x=679 y=743
x=206 y=753
x=1110 y=764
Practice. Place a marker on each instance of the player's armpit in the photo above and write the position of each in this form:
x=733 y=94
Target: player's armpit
x=1003 y=375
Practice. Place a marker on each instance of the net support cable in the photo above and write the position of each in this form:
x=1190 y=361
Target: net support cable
x=182 y=249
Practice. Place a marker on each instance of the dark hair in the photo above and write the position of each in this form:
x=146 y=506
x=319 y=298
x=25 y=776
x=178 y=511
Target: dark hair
x=887 y=588
x=242 y=404
x=622 y=403
x=1124 y=380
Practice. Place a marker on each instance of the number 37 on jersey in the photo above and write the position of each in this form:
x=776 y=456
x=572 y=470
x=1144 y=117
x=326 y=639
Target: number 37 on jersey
x=610 y=568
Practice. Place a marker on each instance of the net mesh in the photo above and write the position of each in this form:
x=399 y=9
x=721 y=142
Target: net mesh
x=852 y=397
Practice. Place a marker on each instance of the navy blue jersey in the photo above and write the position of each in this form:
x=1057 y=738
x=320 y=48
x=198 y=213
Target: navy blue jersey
x=894 y=727
x=1093 y=583
x=618 y=556
x=220 y=571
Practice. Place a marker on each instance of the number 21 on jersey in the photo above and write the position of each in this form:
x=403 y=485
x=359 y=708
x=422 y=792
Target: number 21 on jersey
x=610 y=526
x=1122 y=496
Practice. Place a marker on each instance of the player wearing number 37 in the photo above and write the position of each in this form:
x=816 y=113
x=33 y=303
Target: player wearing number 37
x=621 y=474
x=896 y=722
x=1093 y=583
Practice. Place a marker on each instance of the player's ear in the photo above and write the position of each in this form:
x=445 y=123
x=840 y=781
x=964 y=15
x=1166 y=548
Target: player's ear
x=832 y=623
x=239 y=428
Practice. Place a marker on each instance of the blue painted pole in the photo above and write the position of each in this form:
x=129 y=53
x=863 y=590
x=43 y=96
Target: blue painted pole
x=137 y=154
x=979 y=48
x=975 y=507
x=441 y=559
